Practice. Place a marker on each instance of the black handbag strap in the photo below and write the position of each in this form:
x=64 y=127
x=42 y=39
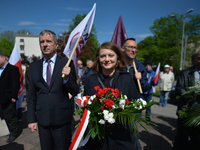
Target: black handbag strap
x=103 y=86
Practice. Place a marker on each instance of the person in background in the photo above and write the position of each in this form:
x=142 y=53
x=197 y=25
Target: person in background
x=148 y=94
x=9 y=87
x=187 y=137
x=129 y=50
x=60 y=48
x=166 y=78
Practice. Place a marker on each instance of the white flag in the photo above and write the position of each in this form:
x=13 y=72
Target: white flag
x=82 y=29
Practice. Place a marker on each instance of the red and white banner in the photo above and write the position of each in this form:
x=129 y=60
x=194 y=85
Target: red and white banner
x=82 y=29
x=16 y=61
x=155 y=80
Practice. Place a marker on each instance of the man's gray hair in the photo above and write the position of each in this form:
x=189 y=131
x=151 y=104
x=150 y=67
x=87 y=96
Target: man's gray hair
x=49 y=32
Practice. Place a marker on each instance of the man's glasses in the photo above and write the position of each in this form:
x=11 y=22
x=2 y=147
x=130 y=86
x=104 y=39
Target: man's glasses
x=131 y=47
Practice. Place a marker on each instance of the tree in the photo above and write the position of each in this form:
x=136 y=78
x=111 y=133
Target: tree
x=23 y=31
x=165 y=44
x=6 y=46
x=9 y=35
x=92 y=44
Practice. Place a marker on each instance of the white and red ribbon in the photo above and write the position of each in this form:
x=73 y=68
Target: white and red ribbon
x=82 y=127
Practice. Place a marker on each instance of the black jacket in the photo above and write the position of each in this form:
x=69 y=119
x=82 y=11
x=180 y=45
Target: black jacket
x=185 y=79
x=9 y=84
x=50 y=104
x=122 y=81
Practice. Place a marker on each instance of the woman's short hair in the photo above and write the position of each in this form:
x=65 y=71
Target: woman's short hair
x=111 y=46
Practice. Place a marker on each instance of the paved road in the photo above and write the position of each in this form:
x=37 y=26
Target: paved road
x=159 y=139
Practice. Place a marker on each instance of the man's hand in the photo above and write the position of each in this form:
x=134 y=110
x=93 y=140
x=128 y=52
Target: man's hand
x=13 y=100
x=66 y=71
x=32 y=126
x=138 y=75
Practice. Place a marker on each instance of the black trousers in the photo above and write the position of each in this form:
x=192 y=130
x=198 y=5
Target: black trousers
x=183 y=135
x=55 y=137
x=8 y=112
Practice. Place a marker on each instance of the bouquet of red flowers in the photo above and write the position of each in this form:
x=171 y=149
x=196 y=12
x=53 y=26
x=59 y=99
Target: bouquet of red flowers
x=109 y=105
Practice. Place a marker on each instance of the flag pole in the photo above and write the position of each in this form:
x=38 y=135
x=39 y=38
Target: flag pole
x=138 y=81
x=70 y=58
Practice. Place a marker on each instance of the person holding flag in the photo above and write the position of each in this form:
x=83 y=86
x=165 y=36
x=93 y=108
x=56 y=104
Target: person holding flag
x=9 y=87
x=148 y=94
x=48 y=104
x=129 y=49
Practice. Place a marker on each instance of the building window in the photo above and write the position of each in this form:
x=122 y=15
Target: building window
x=22 y=55
x=21 y=40
x=22 y=47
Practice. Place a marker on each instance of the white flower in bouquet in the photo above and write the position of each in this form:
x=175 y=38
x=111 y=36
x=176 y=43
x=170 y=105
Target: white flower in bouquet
x=106 y=117
x=143 y=102
x=89 y=102
x=125 y=97
x=140 y=107
x=111 y=115
x=114 y=107
x=105 y=112
x=122 y=102
x=101 y=121
x=121 y=106
x=92 y=97
x=111 y=120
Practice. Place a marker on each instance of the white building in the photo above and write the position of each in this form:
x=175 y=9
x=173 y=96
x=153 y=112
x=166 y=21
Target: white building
x=28 y=45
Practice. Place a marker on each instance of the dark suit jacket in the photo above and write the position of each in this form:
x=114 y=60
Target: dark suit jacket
x=50 y=105
x=9 y=84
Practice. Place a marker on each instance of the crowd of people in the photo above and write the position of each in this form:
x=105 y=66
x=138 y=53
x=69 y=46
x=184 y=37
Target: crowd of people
x=50 y=98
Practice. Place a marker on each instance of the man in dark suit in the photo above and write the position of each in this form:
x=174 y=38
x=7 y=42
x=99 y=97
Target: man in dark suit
x=48 y=102
x=9 y=87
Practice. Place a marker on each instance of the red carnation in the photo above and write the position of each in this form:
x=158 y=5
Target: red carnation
x=127 y=101
x=97 y=88
x=102 y=108
x=117 y=91
x=115 y=94
x=101 y=92
x=85 y=103
x=109 y=103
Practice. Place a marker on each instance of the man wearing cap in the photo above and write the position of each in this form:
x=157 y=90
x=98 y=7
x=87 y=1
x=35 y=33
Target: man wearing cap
x=148 y=94
x=166 y=78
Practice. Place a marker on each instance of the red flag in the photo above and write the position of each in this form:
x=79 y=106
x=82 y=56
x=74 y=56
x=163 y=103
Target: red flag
x=155 y=80
x=119 y=35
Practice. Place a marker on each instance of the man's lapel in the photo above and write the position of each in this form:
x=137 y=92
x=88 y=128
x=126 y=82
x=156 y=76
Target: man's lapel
x=40 y=66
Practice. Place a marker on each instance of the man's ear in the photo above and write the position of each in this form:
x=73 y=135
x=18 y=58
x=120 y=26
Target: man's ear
x=122 y=48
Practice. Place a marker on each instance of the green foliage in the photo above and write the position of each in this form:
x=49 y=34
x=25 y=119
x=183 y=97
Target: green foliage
x=165 y=44
x=23 y=31
x=6 y=46
x=9 y=35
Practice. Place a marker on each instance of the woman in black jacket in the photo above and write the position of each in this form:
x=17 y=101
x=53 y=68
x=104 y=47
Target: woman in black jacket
x=108 y=65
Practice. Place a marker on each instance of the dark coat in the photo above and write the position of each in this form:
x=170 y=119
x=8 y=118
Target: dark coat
x=140 y=68
x=122 y=81
x=50 y=104
x=9 y=84
x=115 y=139
x=185 y=79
